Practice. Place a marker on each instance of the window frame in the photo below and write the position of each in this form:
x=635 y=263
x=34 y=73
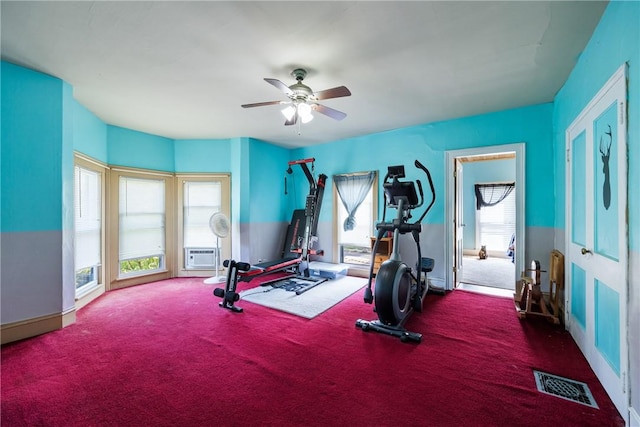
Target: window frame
x=117 y=280
x=354 y=270
x=86 y=294
x=225 y=244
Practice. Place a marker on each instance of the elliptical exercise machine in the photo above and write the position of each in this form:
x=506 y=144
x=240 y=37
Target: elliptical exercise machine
x=398 y=291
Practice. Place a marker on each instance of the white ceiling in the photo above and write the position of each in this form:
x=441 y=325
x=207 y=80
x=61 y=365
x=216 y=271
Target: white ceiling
x=182 y=69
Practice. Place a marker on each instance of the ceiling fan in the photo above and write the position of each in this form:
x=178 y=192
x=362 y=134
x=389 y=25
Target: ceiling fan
x=302 y=100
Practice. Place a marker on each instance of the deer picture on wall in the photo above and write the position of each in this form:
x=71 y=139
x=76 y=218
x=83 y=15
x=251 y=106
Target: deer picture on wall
x=605 y=151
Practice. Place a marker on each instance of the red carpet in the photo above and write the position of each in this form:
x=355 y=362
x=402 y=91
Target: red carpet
x=165 y=354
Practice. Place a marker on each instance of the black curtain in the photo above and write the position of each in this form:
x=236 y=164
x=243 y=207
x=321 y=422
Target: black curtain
x=492 y=194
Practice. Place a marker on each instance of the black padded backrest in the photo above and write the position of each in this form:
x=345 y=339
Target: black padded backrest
x=295 y=234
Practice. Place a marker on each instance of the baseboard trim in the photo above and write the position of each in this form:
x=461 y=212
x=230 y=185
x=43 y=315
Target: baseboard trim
x=89 y=296
x=437 y=282
x=37 y=326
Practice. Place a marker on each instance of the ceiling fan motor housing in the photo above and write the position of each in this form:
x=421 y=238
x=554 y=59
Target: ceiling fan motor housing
x=301 y=92
x=299 y=74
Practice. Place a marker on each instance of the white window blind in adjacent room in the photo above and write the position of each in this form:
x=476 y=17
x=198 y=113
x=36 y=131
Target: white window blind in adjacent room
x=142 y=217
x=201 y=200
x=87 y=213
x=496 y=224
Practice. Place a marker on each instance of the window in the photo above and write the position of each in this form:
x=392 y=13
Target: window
x=88 y=182
x=354 y=245
x=141 y=225
x=496 y=224
x=200 y=201
x=199 y=197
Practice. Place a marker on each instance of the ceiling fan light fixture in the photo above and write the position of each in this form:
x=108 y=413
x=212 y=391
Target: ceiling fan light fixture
x=304 y=111
x=289 y=112
x=306 y=118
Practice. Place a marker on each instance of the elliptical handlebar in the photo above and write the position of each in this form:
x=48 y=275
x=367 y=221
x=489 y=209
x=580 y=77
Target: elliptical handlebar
x=401 y=226
x=420 y=193
x=431 y=187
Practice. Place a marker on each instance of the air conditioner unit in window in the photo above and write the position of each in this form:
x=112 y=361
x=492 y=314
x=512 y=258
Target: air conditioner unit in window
x=199 y=258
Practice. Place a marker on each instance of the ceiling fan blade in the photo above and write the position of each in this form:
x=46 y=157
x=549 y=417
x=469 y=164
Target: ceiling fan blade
x=262 y=104
x=293 y=120
x=283 y=87
x=335 y=92
x=334 y=114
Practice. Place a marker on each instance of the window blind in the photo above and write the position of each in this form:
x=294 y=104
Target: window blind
x=497 y=223
x=201 y=200
x=142 y=217
x=87 y=202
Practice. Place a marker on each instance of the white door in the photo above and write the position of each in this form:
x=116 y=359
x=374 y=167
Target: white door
x=596 y=236
x=459 y=224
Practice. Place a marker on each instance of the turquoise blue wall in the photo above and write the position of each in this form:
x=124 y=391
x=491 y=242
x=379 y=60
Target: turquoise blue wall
x=266 y=163
x=614 y=42
x=31 y=150
x=126 y=147
x=428 y=143
x=89 y=133
x=267 y=167
x=202 y=155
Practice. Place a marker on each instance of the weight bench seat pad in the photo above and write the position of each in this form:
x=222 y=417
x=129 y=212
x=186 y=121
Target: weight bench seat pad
x=269 y=266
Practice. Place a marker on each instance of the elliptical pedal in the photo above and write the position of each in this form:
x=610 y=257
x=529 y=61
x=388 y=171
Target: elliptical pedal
x=399 y=332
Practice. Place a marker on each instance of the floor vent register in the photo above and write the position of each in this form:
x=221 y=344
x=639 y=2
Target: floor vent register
x=564 y=388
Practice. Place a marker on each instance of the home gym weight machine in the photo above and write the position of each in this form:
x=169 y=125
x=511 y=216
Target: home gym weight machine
x=398 y=291
x=298 y=246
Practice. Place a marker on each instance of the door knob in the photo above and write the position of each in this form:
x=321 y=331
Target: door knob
x=585 y=251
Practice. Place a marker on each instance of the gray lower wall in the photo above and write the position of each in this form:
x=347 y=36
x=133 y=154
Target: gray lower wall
x=538 y=246
x=264 y=242
x=30 y=275
x=261 y=241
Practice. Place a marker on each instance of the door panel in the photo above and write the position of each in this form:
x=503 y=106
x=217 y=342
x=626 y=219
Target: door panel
x=607 y=327
x=597 y=237
x=606 y=212
x=578 y=200
x=578 y=295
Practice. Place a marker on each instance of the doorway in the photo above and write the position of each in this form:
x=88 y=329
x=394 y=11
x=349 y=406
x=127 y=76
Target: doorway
x=500 y=171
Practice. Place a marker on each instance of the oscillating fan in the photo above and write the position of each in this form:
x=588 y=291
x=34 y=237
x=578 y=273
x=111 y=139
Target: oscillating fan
x=219 y=225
